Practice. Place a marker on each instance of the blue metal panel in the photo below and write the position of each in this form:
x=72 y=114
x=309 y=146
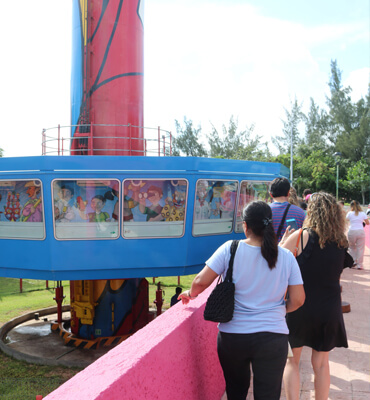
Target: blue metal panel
x=119 y=258
x=78 y=41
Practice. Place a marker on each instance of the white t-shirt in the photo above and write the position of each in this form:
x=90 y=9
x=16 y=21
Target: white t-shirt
x=356 y=221
x=259 y=291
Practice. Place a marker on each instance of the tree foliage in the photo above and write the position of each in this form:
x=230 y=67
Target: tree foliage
x=187 y=140
x=358 y=178
x=343 y=126
x=290 y=128
x=316 y=122
x=234 y=144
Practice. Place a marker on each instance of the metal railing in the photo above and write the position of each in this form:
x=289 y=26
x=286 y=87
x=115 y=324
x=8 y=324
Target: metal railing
x=128 y=140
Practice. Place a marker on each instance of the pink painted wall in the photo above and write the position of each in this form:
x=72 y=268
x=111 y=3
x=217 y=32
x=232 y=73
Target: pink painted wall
x=173 y=357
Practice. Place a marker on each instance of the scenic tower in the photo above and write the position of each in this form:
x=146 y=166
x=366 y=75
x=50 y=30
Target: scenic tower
x=107 y=119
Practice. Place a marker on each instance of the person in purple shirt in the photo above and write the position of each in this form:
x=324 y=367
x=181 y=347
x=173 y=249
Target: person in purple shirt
x=279 y=191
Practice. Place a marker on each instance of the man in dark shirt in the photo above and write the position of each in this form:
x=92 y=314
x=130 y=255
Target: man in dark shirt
x=279 y=191
x=174 y=299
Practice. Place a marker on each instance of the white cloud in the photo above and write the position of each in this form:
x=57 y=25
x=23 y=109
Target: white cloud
x=232 y=61
x=35 y=73
x=359 y=81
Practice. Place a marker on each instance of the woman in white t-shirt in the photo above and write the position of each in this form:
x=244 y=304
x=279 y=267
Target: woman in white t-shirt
x=257 y=335
x=356 y=234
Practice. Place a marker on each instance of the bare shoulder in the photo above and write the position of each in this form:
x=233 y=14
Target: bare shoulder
x=291 y=241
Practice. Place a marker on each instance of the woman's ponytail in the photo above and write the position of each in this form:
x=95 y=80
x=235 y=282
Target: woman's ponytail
x=258 y=217
x=269 y=246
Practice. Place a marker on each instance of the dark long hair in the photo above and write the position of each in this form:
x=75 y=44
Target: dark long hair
x=258 y=217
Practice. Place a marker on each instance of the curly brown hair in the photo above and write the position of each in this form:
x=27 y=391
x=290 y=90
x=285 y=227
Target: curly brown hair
x=325 y=217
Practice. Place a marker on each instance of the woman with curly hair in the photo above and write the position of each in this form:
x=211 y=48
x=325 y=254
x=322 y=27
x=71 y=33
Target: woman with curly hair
x=356 y=234
x=319 y=322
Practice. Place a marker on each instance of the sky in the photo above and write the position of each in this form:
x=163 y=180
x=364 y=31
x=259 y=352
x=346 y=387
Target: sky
x=206 y=60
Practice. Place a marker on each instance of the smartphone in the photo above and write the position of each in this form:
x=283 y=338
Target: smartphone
x=292 y=223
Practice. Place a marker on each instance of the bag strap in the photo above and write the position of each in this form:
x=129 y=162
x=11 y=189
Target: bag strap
x=282 y=221
x=229 y=273
x=297 y=244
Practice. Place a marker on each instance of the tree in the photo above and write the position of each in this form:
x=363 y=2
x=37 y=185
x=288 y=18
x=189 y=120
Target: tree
x=314 y=170
x=1 y=152
x=317 y=122
x=349 y=123
x=358 y=178
x=340 y=103
x=290 y=129
x=240 y=145
x=186 y=141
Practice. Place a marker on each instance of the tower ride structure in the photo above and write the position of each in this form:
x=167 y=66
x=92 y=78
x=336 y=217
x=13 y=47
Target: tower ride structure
x=108 y=216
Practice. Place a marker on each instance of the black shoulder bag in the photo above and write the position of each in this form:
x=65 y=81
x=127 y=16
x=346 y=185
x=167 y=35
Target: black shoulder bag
x=220 y=303
x=282 y=221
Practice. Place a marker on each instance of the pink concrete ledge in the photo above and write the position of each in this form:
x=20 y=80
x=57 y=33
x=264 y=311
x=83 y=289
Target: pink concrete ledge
x=173 y=357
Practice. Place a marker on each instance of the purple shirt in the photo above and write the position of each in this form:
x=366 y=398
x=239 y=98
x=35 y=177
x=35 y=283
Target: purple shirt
x=278 y=210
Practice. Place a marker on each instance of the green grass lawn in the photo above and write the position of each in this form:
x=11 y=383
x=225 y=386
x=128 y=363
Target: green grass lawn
x=20 y=380
x=33 y=297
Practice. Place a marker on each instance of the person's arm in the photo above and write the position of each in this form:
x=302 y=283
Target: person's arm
x=296 y=298
x=204 y=279
x=290 y=242
x=288 y=232
x=366 y=220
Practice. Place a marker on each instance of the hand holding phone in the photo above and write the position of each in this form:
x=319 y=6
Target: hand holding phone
x=292 y=223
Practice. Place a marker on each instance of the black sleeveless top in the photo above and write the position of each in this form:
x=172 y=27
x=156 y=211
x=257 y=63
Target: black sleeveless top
x=319 y=322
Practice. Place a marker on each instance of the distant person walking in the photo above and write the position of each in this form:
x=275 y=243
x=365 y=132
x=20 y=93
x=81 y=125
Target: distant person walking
x=356 y=235
x=306 y=195
x=284 y=213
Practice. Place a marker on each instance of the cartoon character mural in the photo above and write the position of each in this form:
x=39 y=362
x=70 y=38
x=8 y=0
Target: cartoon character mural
x=222 y=199
x=98 y=215
x=215 y=201
x=64 y=211
x=12 y=209
x=111 y=195
x=174 y=210
x=227 y=202
x=202 y=207
x=154 y=211
x=128 y=204
x=132 y=200
x=32 y=210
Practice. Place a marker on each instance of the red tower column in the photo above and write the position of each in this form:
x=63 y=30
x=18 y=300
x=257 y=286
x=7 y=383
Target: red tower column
x=112 y=76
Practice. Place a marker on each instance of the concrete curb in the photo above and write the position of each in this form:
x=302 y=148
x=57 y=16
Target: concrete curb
x=26 y=357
